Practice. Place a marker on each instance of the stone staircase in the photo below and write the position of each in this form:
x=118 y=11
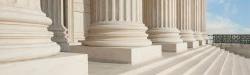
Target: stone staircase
x=205 y=60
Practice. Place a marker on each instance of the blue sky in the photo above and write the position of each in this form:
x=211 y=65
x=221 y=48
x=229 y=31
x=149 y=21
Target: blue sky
x=228 y=16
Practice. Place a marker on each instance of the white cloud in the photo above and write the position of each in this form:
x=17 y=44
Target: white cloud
x=221 y=25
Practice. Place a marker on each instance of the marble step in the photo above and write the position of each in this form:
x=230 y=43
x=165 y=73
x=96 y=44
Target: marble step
x=182 y=67
x=99 y=68
x=202 y=66
x=59 y=64
x=171 y=64
x=216 y=67
x=244 y=68
x=155 y=65
x=227 y=67
x=247 y=64
x=236 y=66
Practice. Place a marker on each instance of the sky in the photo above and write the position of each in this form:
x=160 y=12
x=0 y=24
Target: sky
x=228 y=16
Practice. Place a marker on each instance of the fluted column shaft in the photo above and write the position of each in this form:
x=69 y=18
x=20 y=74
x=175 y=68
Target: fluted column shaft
x=197 y=17
x=160 y=18
x=204 y=8
x=23 y=31
x=116 y=12
x=78 y=21
x=116 y=23
x=54 y=10
x=75 y=21
x=184 y=20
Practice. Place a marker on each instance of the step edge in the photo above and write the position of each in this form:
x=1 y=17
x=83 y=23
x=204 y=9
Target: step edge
x=189 y=72
x=214 y=63
x=172 y=68
x=156 y=64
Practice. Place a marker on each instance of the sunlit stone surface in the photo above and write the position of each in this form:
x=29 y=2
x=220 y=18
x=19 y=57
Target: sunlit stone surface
x=113 y=37
x=26 y=47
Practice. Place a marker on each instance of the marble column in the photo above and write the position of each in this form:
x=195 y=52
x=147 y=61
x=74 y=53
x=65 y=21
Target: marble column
x=117 y=23
x=75 y=21
x=197 y=20
x=204 y=31
x=116 y=26
x=55 y=10
x=160 y=18
x=87 y=16
x=184 y=22
x=23 y=31
x=78 y=14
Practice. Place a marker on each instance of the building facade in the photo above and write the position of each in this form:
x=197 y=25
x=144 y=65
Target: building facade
x=60 y=37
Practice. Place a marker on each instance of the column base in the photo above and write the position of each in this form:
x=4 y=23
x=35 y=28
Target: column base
x=193 y=44
x=125 y=55
x=173 y=47
x=202 y=42
x=60 y=64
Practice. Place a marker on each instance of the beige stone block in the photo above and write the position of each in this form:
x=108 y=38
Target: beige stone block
x=202 y=42
x=60 y=64
x=173 y=47
x=125 y=55
x=193 y=44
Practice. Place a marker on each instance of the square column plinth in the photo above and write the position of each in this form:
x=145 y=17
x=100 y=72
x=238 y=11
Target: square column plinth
x=125 y=55
x=60 y=64
x=209 y=41
x=173 y=47
x=202 y=42
x=193 y=44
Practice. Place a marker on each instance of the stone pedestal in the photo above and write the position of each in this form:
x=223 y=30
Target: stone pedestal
x=205 y=36
x=199 y=37
x=202 y=42
x=60 y=64
x=193 y=44
x=173 y=47
x=124 y=55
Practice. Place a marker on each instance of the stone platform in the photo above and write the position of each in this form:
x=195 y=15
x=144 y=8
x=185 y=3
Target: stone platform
x=60 y=64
